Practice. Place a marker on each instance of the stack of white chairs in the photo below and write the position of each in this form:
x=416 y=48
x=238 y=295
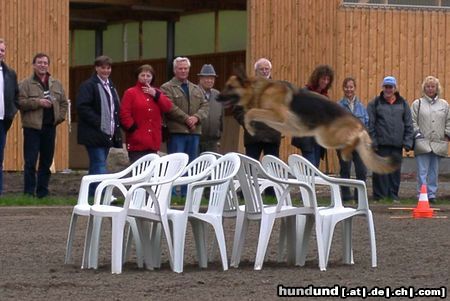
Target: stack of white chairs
x=158 y=190
x=327 y=218
x=135 y=173
x=253 y=179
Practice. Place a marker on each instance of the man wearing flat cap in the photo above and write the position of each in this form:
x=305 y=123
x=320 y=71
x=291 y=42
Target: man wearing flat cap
x=212 y=126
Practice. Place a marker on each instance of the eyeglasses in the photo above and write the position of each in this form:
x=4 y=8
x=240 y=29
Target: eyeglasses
x=388 y=87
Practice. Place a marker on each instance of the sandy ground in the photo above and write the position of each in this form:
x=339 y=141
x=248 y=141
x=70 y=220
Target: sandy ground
x=32 y=242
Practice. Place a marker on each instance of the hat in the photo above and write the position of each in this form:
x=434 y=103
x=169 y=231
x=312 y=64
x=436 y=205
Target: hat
x=207 y=70
x=389 y=81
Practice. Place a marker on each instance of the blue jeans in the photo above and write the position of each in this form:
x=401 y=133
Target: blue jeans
x=344 y=172
x=314 y=155
x=2 y=152
x=97 y=163
x=184 y=143
x=38 y=143
x=427 y=173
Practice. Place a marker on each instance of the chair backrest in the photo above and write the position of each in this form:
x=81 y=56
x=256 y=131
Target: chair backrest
x=305 y=171
x=249 y=175
x=276 y=167
x=222 y=173
x=217 y=155
x=166 y=170
x=140 y=166
x=199 y=164
x=136 y=172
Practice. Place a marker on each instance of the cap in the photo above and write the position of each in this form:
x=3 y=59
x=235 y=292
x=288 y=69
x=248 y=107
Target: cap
x=389 y=81
x=207 y=70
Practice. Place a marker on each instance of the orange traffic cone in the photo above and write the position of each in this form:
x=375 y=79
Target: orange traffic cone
x=423 y=209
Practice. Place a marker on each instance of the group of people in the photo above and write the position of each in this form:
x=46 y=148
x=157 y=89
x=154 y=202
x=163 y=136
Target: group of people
x=194 y=120
x=393 y=126
x=189 y=112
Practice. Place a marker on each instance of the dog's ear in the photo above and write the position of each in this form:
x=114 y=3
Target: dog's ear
x=240 y=73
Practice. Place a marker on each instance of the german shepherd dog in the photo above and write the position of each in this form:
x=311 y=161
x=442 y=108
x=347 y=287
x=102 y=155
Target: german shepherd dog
x=303 y=113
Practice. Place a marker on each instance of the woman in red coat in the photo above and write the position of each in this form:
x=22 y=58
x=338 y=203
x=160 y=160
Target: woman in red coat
x=141 y=112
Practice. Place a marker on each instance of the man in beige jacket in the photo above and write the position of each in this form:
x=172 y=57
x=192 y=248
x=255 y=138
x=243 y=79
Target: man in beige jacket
x=43 y=105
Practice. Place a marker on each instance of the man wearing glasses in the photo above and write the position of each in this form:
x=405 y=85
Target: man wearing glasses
x=391 y=129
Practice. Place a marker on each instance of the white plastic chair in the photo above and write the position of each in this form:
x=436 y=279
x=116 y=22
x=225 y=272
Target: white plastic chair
x=194 y=171
x=279 y=169
x=219 y=181
x=134 y=173
x=158 y=187
x=253 y=178
x=328 y=217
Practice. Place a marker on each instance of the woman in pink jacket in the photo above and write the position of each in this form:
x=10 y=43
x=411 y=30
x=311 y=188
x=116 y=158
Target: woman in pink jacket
x=141 y=112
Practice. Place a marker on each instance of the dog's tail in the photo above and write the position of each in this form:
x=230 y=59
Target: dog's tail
x=373 y=161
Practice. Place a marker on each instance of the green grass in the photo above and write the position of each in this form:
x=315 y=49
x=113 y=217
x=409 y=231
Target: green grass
x=23 y=200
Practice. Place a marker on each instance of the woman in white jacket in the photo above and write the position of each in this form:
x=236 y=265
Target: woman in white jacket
x=431 y=121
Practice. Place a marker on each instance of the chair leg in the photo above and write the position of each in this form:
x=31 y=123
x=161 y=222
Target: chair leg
x=199 y=231
x=220 y=237
x=70 y=237
x=282 y=242
x=118 y=224
x=87 y=243
x=239 y=238
x=328 y=225
x=127 y=239
x=265 y=230
x=290 y=237
x=137 y=239
x=304 y=229
x=168 y=235
x=373 y=244
x=95 y=240
x=320 y=245
x=347 y=249
x=179 y=235
x=155 y=239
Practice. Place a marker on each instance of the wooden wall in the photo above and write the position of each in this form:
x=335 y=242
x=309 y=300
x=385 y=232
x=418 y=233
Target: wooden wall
x=367 y=43
x=29 y=27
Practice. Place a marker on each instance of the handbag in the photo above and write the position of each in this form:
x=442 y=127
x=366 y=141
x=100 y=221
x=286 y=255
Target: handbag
x=420 y=142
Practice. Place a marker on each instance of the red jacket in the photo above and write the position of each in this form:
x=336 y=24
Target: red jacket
x=140 y=117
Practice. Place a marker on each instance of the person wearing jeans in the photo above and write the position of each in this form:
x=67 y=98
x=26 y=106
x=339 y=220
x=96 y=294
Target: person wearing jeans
x=352 y=104
x=431 y=120
x=43 y=105
x=98 y=117
x=189 y=109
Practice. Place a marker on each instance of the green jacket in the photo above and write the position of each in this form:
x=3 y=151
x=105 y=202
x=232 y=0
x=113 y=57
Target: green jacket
x=183 y=107
x=30 y=91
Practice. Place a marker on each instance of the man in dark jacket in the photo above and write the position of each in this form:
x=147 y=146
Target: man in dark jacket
x=9 y=92
x=98 y=119
x=266 y=139
x=391 y=129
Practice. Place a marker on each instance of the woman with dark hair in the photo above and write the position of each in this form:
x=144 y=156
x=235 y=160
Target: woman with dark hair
x=98 y=116
x=320 y=82
x=140 y=114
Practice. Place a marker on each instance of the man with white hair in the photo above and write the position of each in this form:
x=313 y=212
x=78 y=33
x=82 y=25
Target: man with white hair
x=189 y=109
x=266 y=140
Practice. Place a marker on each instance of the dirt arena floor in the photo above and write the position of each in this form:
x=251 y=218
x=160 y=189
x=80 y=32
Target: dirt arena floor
x=411 y=253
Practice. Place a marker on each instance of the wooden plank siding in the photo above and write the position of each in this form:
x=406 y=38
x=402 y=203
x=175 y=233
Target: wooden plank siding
x=27 y=33
x=367 y=43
